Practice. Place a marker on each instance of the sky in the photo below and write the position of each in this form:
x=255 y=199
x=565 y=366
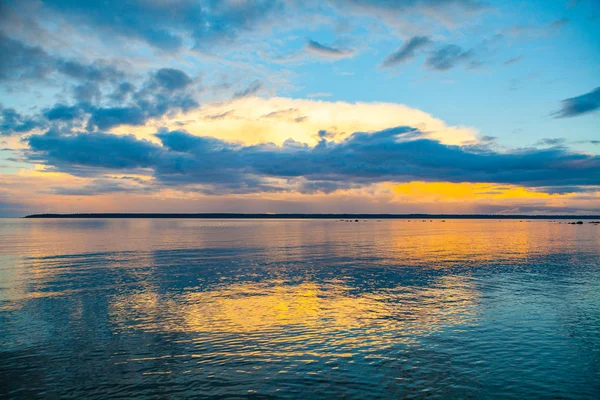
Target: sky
x=356 y=106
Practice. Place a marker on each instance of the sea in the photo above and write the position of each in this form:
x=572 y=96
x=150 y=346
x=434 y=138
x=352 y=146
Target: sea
x=267 y=309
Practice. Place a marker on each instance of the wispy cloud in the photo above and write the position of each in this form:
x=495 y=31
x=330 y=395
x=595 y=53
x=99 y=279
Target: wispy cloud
x=249 y=90
x=327 y=51
x=407 y=52
x=513 y=60
x=536 y=31
x=319 y=94
x=449 y=56
x=580 y=105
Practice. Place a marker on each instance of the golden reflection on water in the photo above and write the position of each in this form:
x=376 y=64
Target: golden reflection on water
x=304 y=310
x=416 y=239
x=447 y=246
x=34 y=250
x=424 y=305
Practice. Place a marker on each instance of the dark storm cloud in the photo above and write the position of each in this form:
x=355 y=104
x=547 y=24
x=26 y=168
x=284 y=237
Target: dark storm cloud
x=398 y=154
x=407 y=51
x=448 y=57
x=327 y=51
x=584 y=104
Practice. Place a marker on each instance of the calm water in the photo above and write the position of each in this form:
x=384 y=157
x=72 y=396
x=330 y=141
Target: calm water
x=291 y=309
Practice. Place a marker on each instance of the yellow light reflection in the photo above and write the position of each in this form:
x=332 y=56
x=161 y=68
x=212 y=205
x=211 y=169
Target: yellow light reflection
x=305 y=310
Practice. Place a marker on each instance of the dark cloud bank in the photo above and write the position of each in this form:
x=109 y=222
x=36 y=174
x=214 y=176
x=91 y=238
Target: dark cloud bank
x=399 y=154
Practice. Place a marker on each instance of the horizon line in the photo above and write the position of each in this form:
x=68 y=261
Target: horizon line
x=310 y=216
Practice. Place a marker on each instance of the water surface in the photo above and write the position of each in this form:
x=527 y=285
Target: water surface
x=297 y=308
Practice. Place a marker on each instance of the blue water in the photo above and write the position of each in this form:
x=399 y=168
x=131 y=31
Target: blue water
x=299 y=308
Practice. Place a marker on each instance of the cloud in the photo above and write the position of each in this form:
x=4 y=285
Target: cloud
x=203 y=24
x=244 y=120
x=580 y=105
x=400 y=154
x=401 y=13
x=448 y=57
x=98 y=71
x=513 y=60
x=319 y=94
x=400 y=6
x=103 y=186
x=219 y=116
x=96 y=149
x=165 y=91
x=287 y=113
x=122 y=92
x=62 y=112
x=251 y=89
x=12 y=122
x=551 y=142
x=407 y=51
x=568 y=189
x=533 y=32
x=106 y=118
x=327 y=51
x=172 y=79
x=21 y=61
x=162 y=25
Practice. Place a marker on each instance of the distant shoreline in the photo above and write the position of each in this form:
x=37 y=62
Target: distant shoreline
x=309 y=216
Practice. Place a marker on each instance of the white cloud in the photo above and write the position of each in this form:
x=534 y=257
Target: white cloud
x=254 y=120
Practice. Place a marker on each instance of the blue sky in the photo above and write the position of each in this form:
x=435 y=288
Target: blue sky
x=266 y=80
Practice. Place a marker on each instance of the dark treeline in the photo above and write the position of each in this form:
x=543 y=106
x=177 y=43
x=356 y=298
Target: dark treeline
x=310 y=216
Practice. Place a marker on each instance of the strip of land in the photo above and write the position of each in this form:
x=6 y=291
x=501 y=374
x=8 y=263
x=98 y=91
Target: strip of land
x=313 y=216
